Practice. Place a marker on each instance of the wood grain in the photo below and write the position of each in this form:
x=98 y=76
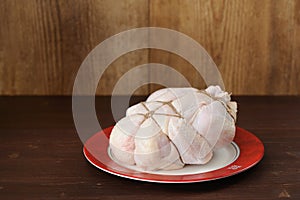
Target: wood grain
x=41 y=155
x=43 y=42
x=254 y=43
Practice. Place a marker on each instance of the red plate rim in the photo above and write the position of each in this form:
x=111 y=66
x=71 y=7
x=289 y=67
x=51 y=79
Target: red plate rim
x=251 y=152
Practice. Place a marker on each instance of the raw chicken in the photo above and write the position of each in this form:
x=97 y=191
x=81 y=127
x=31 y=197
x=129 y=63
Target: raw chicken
x=174 y=127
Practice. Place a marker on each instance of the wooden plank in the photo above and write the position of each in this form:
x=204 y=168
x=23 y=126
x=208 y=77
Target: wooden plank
x=254 y=43
x=44 y=42
x=285 y=47
x=41 y=155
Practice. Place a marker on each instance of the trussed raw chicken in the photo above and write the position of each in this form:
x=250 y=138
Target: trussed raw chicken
x=174 y=127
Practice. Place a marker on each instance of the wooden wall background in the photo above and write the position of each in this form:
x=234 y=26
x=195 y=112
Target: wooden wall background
x=255 y=43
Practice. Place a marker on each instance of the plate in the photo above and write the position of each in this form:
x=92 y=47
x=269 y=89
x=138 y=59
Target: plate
x=243 y=153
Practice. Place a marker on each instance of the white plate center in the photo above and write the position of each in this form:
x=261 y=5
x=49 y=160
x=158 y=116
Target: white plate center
x=222 y=157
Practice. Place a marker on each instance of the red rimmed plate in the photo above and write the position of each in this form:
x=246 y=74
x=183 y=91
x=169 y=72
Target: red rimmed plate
x=242 y=154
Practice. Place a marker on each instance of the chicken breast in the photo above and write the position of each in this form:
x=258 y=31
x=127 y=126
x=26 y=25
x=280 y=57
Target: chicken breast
x=174 y=127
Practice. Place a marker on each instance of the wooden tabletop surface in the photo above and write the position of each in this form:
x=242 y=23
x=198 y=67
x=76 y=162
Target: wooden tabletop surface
x=41 y=155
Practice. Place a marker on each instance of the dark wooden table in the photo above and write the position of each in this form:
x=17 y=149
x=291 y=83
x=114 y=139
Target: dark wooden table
x=41 y=155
